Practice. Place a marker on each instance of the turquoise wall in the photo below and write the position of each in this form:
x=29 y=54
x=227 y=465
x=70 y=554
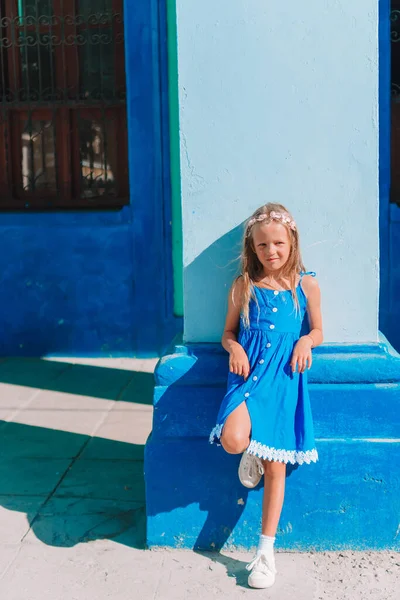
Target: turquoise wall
x=281 y=104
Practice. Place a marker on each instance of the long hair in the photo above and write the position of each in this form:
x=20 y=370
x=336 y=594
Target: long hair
x=252 y=269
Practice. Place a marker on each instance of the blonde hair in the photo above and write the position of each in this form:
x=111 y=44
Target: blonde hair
x=252 y=269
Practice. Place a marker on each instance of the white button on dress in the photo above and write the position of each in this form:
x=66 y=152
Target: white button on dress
x=255 y=378
x=261 y=362
x=246 y=395
x=272 y=326
x=275 y=309
x=268 y=345
x=276 y=292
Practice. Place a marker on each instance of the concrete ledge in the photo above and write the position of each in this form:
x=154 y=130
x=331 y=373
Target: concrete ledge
x=206 y=364
x=194 y=498
x=357 y=410
x=349 y=499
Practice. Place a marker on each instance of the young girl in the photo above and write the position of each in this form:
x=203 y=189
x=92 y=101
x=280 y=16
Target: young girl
x=266 y=413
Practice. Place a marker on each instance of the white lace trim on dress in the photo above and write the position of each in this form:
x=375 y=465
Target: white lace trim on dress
x=216 y=432
x=285 y=456
x=268 y=453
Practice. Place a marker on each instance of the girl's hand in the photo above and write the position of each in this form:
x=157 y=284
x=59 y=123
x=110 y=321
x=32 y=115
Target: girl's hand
x=238 y=362
x=302 y=354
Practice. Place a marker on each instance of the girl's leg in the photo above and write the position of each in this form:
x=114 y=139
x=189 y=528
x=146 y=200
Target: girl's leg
x=263 y=566
x=236 y=432
x=274 y=492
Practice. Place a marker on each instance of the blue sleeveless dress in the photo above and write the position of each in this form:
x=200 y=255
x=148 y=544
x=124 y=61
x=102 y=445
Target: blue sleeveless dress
x=277 y=399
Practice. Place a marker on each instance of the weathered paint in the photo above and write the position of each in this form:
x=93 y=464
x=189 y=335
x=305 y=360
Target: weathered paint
x=194 y=498
x=85 y=283
x=271 y=108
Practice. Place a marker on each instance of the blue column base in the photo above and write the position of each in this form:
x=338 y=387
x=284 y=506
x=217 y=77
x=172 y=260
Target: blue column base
x=349 y=499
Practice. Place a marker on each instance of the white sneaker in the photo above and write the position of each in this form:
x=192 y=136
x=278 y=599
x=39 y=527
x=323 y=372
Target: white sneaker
x=251 y=470
x=263 y=571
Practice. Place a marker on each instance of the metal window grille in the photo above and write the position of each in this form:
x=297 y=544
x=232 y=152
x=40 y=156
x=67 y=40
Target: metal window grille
x=62 y=104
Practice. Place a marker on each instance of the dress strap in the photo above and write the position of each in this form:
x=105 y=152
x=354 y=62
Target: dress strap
x=312 y=273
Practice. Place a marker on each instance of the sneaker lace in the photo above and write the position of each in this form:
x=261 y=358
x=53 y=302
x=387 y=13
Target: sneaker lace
x=261 y=563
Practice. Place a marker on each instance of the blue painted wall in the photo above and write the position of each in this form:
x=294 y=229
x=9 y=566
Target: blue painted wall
x=392 y=325
x=389 y=307
x=67 y=283
x=99 y=283
x=384 y=163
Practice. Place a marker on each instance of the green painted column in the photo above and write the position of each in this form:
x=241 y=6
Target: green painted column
x=177 y=258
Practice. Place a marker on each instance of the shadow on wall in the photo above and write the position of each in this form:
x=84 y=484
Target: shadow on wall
x=207 y=281
x=178 y=452
x=73 y=488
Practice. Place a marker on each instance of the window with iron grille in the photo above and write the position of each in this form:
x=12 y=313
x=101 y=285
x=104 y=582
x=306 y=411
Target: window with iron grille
x=62 y=109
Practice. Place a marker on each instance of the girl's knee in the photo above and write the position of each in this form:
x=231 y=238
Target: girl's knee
x=234 y=442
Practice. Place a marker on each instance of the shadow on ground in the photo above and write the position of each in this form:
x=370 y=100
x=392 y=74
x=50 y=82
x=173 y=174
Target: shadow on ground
x=73 y=488
x=68 y=488
x=85 y=380
x=73 y=500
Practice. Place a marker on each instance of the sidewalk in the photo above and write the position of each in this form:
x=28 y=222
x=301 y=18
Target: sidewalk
x=72 y=513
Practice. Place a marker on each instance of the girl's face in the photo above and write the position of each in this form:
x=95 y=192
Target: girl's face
x=272 y=245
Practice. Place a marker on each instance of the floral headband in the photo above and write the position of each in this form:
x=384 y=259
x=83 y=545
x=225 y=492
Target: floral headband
x=276 y=216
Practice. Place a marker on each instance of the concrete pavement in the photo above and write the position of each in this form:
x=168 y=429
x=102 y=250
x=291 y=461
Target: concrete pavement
x=72 y=510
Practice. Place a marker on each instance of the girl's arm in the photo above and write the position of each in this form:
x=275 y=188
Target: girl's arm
x=301 y=356
x=229 y=337
x=238 y=361
x=313 y=293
